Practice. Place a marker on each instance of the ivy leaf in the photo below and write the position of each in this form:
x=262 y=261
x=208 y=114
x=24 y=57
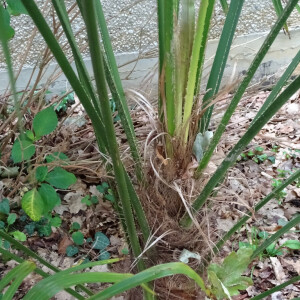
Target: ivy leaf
x=49 y=196
x=11 y=219
x=41 y=173
x=101 y=241
x=104 y=255
x=4 y=206
x=78 y=238
x=60 y=178
x=226 y=279
x=44 y=122
x=6 y=31
x=16 y=7
x=33 y=205
x=23 y=149
x=71 y=250
x=18 y=235
x=292 y=244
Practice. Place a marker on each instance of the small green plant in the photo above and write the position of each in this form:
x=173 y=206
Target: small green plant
x=256 y=155
x=64 y=103
x=106 y=191
x=100 y=242
x=43 y=123
x=282 y=194
x=257 y=237
x=42 y=198
x=89 y=200
x=7 y=219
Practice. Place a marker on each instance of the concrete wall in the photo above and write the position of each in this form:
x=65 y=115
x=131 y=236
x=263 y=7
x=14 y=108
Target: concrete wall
x=132 y=24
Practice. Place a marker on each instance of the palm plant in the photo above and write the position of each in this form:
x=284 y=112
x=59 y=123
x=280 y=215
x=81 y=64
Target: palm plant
x=184 y=112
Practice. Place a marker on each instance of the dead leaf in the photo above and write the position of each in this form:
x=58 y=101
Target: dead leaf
x=63 y=244
x=278 y=269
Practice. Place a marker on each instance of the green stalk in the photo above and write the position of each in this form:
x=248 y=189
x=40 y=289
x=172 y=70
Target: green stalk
x=279 y=9
x=244 y=84
x=298 y=7
x=238 y=148
x=4 y=41
x=276 y=236
x=224 y=5
x=257 y=207
x=117 y=91
x=16 y=275
x=150 y=274
x=62 y=14
x=63 y=62
x=138 y=209
x=183 y=43
x=50 y=286
x=35 y=256
x=280 y=84
x=98 y=68
x=219 y=63
x=169 y=66
x=197 y=60
x=277 y=288
x=38 y=271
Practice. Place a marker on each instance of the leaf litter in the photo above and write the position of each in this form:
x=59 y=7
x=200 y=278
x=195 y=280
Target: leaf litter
x=246 y=183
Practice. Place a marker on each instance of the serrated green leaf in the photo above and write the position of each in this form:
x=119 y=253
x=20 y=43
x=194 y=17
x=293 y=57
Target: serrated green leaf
x=227 y=277
x=41 y=173
x=101 y=241
x=49 y=196
x=45 y=122
x=16 y=7
x=56 y=156
x=71 y=250
x=11 y=219
x=291 y=244
x=6 y=31
x=78 y=238
x=18 y=235
x=4 y=206
x=29 y=135
x=33 y=205
x=23 y=149
x=60 y=178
